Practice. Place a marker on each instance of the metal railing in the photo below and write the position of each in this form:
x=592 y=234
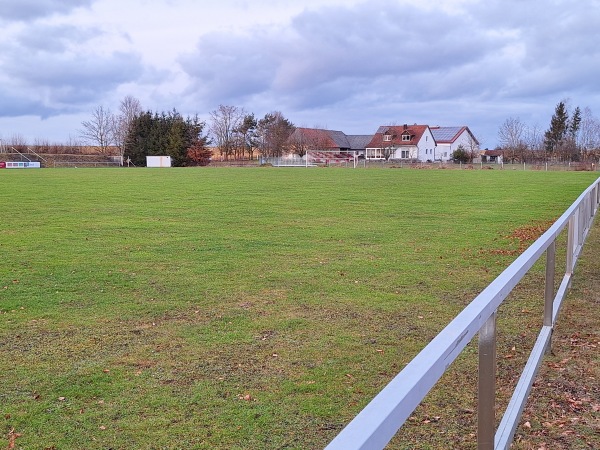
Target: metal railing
x=379 y=421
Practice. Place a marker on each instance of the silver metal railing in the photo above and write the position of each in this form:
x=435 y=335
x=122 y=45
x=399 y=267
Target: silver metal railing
x=379 y=421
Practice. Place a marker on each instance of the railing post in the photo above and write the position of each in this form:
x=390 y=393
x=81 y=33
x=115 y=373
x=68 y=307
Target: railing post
x=549 y=291
x=487 y=385
x=571 y=245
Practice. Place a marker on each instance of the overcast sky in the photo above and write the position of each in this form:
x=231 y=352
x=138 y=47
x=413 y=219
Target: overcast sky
x=348 y=65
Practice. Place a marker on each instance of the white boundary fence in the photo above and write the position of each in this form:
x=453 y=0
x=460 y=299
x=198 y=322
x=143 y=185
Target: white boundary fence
x=379 y=421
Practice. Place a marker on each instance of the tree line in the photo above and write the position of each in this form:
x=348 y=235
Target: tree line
x=235 y=133
x=572 y=136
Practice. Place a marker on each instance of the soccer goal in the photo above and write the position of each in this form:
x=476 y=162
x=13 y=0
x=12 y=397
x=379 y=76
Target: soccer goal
x=331 y=158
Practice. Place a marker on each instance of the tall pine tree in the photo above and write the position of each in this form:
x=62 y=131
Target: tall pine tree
x=557 y=132
x=575 y=123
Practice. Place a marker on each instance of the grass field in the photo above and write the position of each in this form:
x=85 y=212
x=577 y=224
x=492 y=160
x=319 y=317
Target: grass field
x=246 y=308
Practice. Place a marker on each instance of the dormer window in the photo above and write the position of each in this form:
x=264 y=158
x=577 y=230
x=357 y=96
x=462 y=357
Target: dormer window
x=405 y=137
x=387 y=137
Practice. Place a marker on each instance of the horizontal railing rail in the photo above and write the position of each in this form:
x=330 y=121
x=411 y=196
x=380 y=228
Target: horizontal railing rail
x=381 y=419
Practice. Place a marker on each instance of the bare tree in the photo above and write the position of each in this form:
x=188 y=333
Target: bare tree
x=42 y=146
x=299 y=142
x=511 y=136
x=589 y=134
x=16 y=143
x=534 y=138
x=129 y=109
x=533 y=143
x=100 y=130
x=225 y=124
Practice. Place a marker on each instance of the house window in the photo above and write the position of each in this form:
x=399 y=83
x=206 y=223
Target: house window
x=387 y=137
x=405 y=154
x=374 y=153
x=406 y=137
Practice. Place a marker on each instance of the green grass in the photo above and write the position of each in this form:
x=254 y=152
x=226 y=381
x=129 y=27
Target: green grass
x=239 y=308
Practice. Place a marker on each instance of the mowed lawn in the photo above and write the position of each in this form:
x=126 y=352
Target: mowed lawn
x=242 y=308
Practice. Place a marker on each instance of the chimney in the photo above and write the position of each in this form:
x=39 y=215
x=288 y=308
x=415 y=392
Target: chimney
x=405 y=126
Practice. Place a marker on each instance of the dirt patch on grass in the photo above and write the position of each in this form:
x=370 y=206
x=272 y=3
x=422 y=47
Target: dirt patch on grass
x=522 y=237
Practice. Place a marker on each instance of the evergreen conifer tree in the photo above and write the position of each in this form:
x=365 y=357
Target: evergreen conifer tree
x=558 y=128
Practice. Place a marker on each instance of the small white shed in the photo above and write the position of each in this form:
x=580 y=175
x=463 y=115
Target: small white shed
x=158 y=161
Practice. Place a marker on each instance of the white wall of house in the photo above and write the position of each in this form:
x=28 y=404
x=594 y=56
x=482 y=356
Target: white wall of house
x=444 y=150
x=407 y=152
x=426 y=147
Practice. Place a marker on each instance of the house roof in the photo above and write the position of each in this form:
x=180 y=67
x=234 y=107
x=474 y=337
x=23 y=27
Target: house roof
x=330 y=139
x=359 y=141
x=447 y=135
x=396 y=131
x=493 y=152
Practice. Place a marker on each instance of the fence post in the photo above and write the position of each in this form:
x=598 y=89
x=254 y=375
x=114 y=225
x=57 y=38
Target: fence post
x=549 y=291
x=487 y=385
x=571 y=245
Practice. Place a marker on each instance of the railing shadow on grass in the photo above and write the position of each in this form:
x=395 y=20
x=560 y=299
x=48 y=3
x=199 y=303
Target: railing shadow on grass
x=381 y=419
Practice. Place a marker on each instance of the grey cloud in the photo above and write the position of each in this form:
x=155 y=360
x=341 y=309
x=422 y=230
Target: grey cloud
x=555 y=47
x=12 y=105
x=34 y=9
x=58 y=69
x=332 y=54
x=54 y=38
x=225 y=67
x=387 y=53
x=380 y=38
x=94 y=71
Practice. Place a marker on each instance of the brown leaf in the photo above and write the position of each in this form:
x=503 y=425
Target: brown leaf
x=12 y=437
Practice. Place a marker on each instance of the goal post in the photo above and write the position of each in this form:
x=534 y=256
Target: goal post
x=331 y=158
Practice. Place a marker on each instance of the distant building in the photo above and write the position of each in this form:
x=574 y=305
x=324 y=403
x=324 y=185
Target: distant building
x=316 y=139
x=449 y=139
x=402 y=142
x=420 y=143
x=496 y=156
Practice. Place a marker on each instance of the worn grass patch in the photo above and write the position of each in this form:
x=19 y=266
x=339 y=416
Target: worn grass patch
x=248 y=308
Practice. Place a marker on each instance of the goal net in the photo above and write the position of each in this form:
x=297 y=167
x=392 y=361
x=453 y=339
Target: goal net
x=331 y=158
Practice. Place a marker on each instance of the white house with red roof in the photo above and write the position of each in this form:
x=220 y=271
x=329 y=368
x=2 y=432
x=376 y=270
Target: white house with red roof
x=448 y=139
x=420 y=143
x=402 y=142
